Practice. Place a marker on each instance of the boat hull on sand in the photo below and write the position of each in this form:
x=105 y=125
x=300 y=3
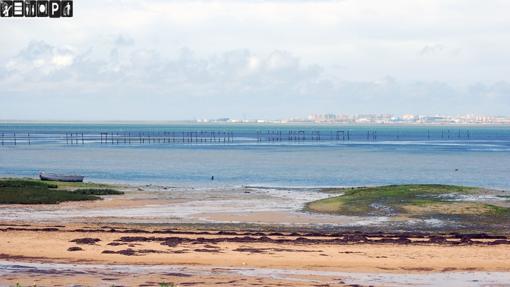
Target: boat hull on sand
x=60 y=177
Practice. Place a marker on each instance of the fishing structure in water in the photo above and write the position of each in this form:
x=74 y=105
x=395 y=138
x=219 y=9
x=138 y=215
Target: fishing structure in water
x=189 y=137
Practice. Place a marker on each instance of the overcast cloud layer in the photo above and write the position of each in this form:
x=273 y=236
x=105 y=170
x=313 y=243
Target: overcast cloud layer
x=169 y=60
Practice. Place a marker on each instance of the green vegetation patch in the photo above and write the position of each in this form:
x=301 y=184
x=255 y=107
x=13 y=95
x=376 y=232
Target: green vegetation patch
x=29 y=191
x=26 y=183
x=58 y=184
x=499 y=211
x=405 y=200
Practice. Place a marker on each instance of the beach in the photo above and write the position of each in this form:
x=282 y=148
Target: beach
x=241 y=237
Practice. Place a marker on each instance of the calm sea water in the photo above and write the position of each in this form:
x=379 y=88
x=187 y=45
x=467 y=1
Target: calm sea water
x=263 y=155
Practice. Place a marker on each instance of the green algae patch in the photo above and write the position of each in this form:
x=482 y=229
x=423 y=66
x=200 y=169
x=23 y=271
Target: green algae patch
x=420 y=200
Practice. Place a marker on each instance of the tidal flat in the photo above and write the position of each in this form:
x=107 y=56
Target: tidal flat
x=390 y=235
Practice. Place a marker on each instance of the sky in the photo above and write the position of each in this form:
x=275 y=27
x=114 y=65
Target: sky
x=256 y=59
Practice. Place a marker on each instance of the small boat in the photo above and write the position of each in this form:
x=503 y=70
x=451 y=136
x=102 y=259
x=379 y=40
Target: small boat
x=61 y=177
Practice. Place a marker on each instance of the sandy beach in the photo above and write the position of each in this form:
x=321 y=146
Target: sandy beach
x=322 y=258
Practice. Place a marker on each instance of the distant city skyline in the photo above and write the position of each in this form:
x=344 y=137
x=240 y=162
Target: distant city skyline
x=177 y=60
x=341 y=118
x=376 y=119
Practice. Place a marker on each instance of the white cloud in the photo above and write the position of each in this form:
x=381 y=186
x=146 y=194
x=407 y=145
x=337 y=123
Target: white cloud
x=38 y=60
x=215 y=58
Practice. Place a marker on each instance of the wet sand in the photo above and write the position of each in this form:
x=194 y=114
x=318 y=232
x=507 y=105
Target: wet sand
x=158 y=204
x=50 y=274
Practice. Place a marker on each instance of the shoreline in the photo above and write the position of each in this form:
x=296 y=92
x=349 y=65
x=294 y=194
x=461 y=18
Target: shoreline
x=249 y=123
x=239 y=236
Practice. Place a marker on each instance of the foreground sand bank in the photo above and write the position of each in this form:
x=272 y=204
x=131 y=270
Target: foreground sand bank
x=141 y=246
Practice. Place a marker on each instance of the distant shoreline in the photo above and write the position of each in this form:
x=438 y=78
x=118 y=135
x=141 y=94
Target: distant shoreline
x=266 y=123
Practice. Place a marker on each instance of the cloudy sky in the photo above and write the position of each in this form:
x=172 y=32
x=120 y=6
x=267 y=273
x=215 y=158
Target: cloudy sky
x=189 y=59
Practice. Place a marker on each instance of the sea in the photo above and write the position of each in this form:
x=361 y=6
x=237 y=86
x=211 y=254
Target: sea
x=261 y=155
